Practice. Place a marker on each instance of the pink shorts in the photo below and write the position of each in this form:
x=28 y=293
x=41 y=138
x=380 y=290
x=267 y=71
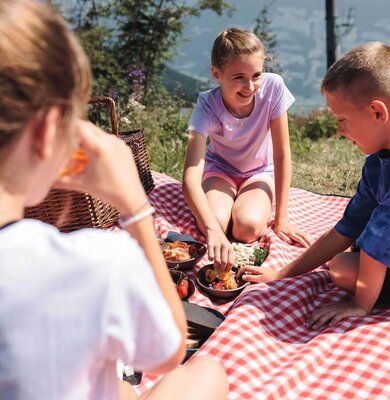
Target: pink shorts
x=238 y=182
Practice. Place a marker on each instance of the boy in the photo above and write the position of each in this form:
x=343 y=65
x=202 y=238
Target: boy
x=357 y=90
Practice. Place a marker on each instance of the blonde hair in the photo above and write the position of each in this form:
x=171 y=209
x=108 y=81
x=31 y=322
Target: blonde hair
x=41 y=65
x=233 y=42
x=361 y=75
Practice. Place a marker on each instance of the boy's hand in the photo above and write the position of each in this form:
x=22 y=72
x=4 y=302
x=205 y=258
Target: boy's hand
x=250 y=273
x=334 y=312
x=290 y=233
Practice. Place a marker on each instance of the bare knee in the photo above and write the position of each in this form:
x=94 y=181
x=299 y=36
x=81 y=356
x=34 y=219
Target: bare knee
x=334 y=271
x=248 y=230
x=343 y=270
x=207 y=369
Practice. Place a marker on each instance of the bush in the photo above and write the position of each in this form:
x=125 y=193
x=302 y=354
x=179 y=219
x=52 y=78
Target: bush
x=165 y=123
x=320 y=124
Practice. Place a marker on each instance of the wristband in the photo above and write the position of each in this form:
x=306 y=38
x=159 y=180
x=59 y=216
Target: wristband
x=146 y=203
x=129 y=219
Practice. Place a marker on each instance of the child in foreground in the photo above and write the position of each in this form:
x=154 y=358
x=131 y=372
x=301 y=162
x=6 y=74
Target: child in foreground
x=231 y=186
x=73 y=304
x=357 y=90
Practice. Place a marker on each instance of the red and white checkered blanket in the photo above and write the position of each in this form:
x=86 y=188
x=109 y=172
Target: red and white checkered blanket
x=263 y=344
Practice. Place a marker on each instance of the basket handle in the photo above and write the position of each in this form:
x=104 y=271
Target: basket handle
x=110 y=103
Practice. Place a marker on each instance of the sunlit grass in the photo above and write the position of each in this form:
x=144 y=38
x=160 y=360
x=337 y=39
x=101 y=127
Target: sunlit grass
x=329 y=165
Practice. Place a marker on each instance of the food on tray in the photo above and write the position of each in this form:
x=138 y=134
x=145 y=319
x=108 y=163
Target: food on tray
x=248 y=255
x=221 y=280
x=179 y=251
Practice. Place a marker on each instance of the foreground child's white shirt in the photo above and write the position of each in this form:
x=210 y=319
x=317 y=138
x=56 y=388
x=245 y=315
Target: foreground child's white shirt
x=70 y=306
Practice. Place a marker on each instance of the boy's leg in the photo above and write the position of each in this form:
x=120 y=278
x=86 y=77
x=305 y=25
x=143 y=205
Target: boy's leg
x=251 y=211
x=344 y=270
x=220 y=195
x=200 y=378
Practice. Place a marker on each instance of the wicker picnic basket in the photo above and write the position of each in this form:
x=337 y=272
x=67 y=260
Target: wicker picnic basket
x=70 y=210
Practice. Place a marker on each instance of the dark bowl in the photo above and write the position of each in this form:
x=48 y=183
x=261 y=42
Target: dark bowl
x=177 y=275
x=220 y=293
x=200 y=251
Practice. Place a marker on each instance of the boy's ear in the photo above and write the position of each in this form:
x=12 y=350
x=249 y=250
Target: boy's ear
x=215 y=72
x=379 y=110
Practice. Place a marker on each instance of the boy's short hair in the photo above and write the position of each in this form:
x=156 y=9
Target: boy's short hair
x=233 y=42
x=362 y=74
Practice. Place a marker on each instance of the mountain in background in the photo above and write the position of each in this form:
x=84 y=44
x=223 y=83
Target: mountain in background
x=299 y=26
x=182 y=84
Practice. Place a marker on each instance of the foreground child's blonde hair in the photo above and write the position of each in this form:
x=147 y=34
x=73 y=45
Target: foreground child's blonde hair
x=234 y=42
x=361 y=75
x=41 y=65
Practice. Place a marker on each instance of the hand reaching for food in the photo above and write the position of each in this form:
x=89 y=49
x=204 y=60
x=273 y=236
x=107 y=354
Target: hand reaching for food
x=251 y=273
x=220 y=250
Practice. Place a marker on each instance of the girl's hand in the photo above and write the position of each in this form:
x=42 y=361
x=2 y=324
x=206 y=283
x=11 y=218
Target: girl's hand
x=250 y=273
x=334 y=312
x=220 y=250
x=290 y=233
x=110 y=172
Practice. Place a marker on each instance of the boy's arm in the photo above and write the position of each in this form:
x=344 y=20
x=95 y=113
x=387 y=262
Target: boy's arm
x=321 y=251
x=219 y=247
x=282 y=164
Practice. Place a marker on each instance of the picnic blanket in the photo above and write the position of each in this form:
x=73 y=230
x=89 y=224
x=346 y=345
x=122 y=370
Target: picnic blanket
x=263 y=344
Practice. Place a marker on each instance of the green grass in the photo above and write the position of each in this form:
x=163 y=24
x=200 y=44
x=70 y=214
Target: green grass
x=328 y=165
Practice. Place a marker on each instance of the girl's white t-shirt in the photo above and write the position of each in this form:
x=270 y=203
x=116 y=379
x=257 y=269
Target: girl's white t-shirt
x=70 y=306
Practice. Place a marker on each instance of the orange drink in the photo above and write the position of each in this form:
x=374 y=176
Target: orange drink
x=76 y=165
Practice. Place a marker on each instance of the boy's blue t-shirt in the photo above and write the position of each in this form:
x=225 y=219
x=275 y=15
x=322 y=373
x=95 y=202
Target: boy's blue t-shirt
x=367 y=216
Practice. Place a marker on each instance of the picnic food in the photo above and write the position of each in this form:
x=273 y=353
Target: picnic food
x=221 y=280
x=76 y=165
x=248 y=255
x=179 y=251
x=182 y=288
x=192 y=343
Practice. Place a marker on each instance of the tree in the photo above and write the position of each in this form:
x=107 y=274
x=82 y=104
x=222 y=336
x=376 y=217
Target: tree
x=131 y=54
x=262 y=29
